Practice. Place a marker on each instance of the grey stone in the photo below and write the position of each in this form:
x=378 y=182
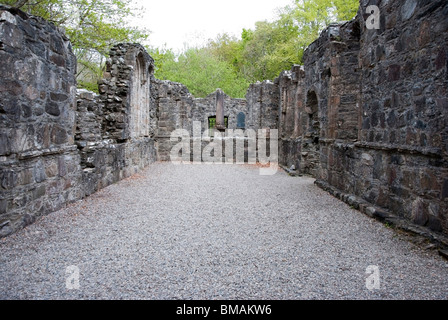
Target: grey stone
x=408 y=9
x=39 y=172
x=6 y=230
x=8 y=179
x=3 y=207
x=53 y=109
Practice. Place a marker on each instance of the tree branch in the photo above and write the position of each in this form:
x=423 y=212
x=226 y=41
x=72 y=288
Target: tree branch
x=20 y=3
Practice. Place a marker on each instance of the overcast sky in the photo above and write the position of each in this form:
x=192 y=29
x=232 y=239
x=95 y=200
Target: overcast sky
x=175 y=23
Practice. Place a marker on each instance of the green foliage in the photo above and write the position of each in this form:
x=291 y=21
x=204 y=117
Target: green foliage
x=231 y=63
x=164 y=60
x=93 y=27
x=268 y=50
x=201 y=71
x=227 y=62
x=91 y=86
x=275 y=46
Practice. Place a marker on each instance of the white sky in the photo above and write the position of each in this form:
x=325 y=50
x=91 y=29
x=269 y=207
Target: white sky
x=177 y=23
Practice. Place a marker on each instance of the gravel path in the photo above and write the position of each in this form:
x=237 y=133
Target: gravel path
x=214 y=232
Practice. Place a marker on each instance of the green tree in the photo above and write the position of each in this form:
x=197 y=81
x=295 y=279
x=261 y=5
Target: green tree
x=93 y=27
x=275 y=46
x=201 y=72
x=268 y=50
x=310 y=17
x=164 y=59
x=227 y=48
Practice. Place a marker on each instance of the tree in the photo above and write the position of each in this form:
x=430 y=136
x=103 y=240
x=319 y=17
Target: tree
x=268 y=50
x=201 y=72
x=275 y=46
x=227 y=48
x=93 y=27
x=311 y=17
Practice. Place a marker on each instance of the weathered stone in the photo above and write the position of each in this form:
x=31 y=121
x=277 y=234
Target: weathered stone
x=58 y=97
x=3 y=207
x=58 y=60
x=5 y=147
x=62 y=167
x=420 y=217
x=394 y=72
x=58 y=135
x=39 y=172
x=6 y=230
x=8 y=179
x=10 y=35
x=53 y=109
x=445 y=189
x=408 y=9
x=364 y=115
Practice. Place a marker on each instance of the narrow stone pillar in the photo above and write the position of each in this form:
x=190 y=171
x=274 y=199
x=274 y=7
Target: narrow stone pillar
x=220 y=120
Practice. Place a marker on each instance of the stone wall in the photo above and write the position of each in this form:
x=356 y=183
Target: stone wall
x=403 y=139
x=57 y=146
x=366 y=114
x=177 y=109
x=39 y=163
x=120 y=123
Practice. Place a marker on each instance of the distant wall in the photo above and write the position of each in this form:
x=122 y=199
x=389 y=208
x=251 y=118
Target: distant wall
x=178 y=109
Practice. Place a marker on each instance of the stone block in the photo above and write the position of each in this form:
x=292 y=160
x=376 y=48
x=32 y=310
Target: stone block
x=394 y=72
x=3 y=207
x=26 y=177
x=8 y=179
x=39 y=172
x=5 y=148
x=58 y=135
x=58 y=97
x=39 y=192
x=58 y=60
x=62 y=166
x=11 y=36
x=445 y=189
x=51 y=168
x=53 y=109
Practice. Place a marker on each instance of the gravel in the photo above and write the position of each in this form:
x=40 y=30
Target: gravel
x=214 y=232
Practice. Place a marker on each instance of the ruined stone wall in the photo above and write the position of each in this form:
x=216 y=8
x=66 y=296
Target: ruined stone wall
x=39 y=163
x=403 y=141
x=262 y=105
x=116 y=129
x=318 y=102
x=379 y=137
x=177 y=109
x=365 y=115
x=56 y=145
